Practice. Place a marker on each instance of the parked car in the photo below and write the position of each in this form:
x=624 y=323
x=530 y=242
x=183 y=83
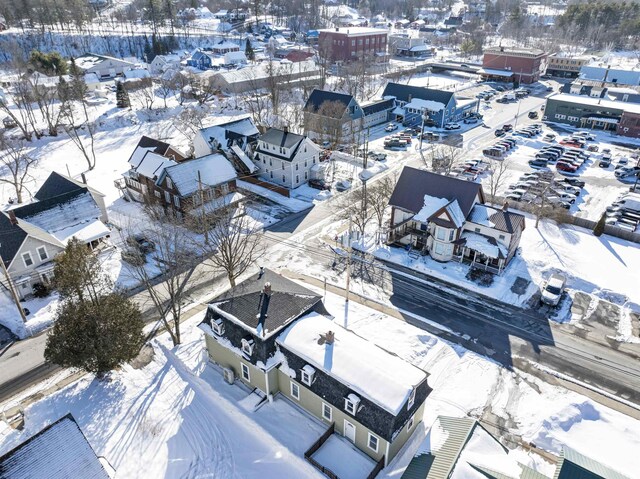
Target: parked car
x=141 y=242
x=553 y=289
x=471 y=120
x=391 y=127
x=500 y=133
x=452 y=126
x=549 y=137
x=569 y=142
x=507 y=127
x=593 y=148
x=604 y=163
x=574 y=182
x=540 y=163
x=343 y=185
x=533 y=115
x=319 y=185
x=566 y=168
x=627 y=171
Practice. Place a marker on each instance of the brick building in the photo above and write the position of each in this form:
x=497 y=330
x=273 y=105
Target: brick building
x=629 y=124
x=348 y=44
x=527 y=64
x=568 y=66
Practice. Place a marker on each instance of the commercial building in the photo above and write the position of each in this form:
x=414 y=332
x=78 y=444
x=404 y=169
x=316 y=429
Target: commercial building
x=525 y=64
x=564 y=65
x=352 y=43
x=610 y=76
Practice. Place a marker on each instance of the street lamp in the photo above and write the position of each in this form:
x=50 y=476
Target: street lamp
x=428 y=75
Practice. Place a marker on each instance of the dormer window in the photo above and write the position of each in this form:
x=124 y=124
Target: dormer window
x=351 y=403
x=247 y=346
x=218 y=326
x=307 y=375
x=412 y=399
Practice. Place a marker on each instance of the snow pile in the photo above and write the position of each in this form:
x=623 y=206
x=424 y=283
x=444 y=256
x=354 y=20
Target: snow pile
x=482 y=244
x=343 y=459
x=428 y=105
x=431 y=205
x=370 y=172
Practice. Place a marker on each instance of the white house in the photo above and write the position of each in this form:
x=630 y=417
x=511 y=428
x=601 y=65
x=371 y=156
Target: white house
x=447 y=219
x=102 y=65
x=235 y=58
x=163 y=63
x=285 y=158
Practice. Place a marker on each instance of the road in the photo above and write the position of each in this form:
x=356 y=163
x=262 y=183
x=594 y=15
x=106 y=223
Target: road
x=509 y=335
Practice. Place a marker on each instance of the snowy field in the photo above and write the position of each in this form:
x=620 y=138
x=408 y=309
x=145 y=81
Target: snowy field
x=177 y=418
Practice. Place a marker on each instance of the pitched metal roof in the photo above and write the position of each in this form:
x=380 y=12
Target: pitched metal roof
x=573 y=465
x=525 y=473
x=502 y=220
x=458 y=430
x=319 y=97
x=288 y=302
x=278 y=137
x=378 y=106
x=408 y=92
x=414 y=184
x=59 y=451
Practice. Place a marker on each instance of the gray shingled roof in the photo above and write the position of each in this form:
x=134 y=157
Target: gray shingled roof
x=318 y=97
x=408 y=92
x=59 y=451
x=11 y=238
x=288 y=301
x=507 y=221
x=275 y=136
x=573 y=465
x=414 y=184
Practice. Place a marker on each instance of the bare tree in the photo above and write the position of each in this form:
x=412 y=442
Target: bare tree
x=202 y=89
x=15 y=161
x=75 y=127
x=443 y=158
x=497 y=175
x=190 y=120
x=165 y=88
x=327 y=122
x=354 y=207
x=378 y=195
x=232 y=243
x=177 y=262
x=144 y=93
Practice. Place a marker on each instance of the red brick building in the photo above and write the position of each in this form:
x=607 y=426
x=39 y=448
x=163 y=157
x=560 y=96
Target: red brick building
x=527 y=64
x=629 y=124
x=351 y=43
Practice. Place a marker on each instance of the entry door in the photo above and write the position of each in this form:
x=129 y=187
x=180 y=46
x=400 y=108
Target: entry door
x=349 y=431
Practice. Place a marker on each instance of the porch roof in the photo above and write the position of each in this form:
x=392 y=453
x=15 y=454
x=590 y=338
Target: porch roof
x=484 y=244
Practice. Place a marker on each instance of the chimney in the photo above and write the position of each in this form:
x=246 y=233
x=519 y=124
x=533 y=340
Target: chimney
x=285 y=129
x=263 y=306
x=505 y=206
x=261 y=272
x=84 y=178
x=329 y=337
x=12 y=218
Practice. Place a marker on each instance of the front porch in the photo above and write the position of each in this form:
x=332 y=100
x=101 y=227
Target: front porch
x=410 y=233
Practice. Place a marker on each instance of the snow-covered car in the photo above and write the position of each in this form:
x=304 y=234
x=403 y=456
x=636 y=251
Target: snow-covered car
x=627 y=171
x=343 y=185
x=452 y=126
x=391 y=127
x=553 y=289
x=549 y=137
x=471 y=120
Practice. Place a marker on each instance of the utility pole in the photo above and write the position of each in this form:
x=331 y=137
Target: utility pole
x=12 y=290
x=203 y=215
x=349 y=251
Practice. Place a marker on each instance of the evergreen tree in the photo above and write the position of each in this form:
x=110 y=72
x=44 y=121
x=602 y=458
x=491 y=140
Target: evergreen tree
x=48 y=63
x=78 y=85
x=598 y=229
x=122 y=96
x=248 y=51
x=96 y=337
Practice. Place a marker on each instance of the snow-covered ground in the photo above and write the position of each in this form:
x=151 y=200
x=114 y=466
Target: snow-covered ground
x=176 y=417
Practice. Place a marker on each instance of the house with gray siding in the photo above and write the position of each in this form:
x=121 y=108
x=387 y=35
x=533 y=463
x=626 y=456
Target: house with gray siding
x=275 y=336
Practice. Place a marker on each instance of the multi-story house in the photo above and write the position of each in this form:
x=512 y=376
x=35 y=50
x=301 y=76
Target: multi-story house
x=285 y=158
x=240 y=131
x=102 y=65
x=335 y=117
x=276 y=337
x=447 y=219
x=34 y=233
x=200 y=60
x=352 y=43
x=525 y=65
x=412 y=103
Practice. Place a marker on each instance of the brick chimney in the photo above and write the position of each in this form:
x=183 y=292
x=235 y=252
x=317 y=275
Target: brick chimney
x=505 y=206
x=12 y=217
x=329 y=337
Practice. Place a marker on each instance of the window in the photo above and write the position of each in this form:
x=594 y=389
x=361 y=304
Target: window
x=353 y=43
x=297 y=179
x=501 y=237
x=439 y=249
x=351 y=404
x=477 y=230
x=451 y=233
x=307 y=374
x=412 y=399
x=282 y=163
x=247 y=346
x=167 y=197
x=306 y=176
x=176 y=201
x=271 y=175
x=245 y=372
x=157 y=193
x=169 y=184
x=218 y=326
x=440 y=232
x=295 y=391
x=42 y=253
x=224 y=189
x=412 y=421
x=26 y=258
x=270 y=162
x=327 y=412
x=284 y=179
x=297 y=165
x=372 y=443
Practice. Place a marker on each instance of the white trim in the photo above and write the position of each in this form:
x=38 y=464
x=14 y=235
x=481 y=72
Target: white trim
x=344 y=430
x=412 y=422
x=244 y=367
x=22 y=255
x=294 y=386
x=412 y=399
x=330 y=418
x=369 y=442
x=247 y=346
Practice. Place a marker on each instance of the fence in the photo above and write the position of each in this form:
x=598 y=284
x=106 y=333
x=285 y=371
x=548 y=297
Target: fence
x=378 y=467
x=270 y=186
x=317 y=445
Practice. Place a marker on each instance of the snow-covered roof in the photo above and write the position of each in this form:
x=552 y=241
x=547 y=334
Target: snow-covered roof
x=60 y=451
x=214 y=169
x=244 y=158
x=91 y=78
x=217 y=203
x=367 y=369
x=494 y=72
x=152 y=164
x=483 y=244
x=235 y=57
x=419 y=104
x=91 y=60
x=587 y=100
x=225 y=45
x=261 y=70
x=87 y=231
x=433 y=205
x=137 y=73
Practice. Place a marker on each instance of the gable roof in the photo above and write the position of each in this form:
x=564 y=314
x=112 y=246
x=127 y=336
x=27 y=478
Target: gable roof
x=408 y=92
x=153 y=164
x=214 y=169
x=59 y=451
x=57 y=185
x=241 y=303
x=278 y=137
x=574 y=465
x=497 y=218
x=12 y=238
x=414 y=184
x=147 y=144
x=319 y=97
x=222 y=134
